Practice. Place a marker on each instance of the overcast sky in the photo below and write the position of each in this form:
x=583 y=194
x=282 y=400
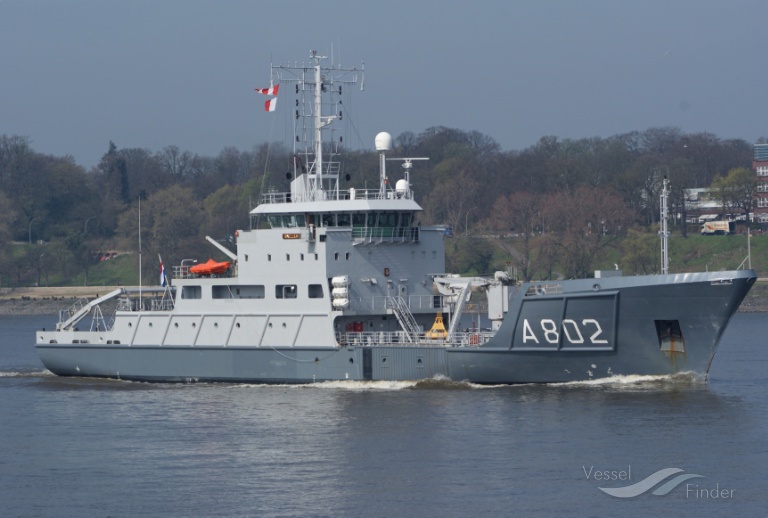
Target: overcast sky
x=76 y=74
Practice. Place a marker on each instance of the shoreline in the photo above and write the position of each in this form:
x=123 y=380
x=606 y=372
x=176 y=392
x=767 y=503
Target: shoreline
x=49 y=301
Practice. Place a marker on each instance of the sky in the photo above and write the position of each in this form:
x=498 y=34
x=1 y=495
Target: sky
x=77 y=74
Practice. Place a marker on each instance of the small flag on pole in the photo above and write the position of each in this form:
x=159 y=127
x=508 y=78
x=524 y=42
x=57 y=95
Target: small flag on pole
x=270 y=105
x=272 y=90
x=163 y=278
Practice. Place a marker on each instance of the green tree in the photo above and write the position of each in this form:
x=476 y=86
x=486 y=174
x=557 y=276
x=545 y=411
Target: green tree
x=516 y=218
x=736 y=190
x=681 y=178
x=743 y=183
x=587 y=222
x=469 y=255
x=170 y=226
x=640 y=252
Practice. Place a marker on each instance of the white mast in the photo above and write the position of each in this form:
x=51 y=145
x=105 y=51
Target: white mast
x=664 y=233
x=141 y=303
x=319 y=123
x=315 y=166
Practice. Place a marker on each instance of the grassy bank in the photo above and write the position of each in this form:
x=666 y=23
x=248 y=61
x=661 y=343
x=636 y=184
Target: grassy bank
x=695 y=253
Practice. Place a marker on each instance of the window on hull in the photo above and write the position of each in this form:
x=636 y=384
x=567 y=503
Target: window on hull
x=191 y=292
x=238 y=291
x=285 y=291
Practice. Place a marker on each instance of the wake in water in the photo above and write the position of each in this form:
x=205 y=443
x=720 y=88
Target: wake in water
x=614 y=383
x=638 y=382
x=27 y=374
x=438 y=382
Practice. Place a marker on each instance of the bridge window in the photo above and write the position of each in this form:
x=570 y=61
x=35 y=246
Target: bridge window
x=358 y=220
x=344 y=219
x=275 y=221
x=388 y=219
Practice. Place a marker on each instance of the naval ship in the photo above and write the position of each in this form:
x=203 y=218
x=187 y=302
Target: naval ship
x=344 y=284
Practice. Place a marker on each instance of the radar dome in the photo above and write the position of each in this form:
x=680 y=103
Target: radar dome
x=401 y=186
x=383 y=141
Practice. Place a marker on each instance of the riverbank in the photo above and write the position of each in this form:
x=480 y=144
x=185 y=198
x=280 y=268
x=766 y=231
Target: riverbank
x=49 y=301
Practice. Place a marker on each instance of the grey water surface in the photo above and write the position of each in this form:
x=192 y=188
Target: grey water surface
x=87 y=447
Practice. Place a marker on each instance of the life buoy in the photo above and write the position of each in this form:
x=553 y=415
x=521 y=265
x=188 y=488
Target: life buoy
x=386 y=272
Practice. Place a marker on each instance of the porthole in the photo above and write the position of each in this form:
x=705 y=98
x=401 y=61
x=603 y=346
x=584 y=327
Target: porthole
x=284 y=325
x=176 y=324
x=215 y=324
x=237 y=325
x=351 y=360
x=130 y=324
x=150 y=324
x=194 y=324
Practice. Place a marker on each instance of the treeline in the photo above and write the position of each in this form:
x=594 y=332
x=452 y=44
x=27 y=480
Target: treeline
x=555 y=205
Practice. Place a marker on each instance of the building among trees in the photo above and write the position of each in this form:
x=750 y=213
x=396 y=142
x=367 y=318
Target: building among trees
x=760 y=165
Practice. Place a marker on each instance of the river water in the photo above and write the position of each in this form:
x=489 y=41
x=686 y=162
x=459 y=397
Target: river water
x=82 y=447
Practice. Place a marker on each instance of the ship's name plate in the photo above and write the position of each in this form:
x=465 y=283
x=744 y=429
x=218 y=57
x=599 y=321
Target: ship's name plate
x=292 y=236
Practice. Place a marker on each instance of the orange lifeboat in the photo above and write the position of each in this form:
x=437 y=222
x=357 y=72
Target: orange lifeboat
x=210 y=268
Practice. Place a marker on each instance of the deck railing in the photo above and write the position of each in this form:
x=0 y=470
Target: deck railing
x=347 y=194
x=375 y=338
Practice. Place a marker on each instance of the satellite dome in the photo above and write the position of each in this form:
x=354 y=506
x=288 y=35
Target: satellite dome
x=401 y=186
x=383 y=141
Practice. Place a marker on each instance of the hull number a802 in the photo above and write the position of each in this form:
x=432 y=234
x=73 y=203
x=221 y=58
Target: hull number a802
x=586 y=331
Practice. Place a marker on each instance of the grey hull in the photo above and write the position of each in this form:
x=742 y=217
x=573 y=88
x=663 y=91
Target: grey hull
x=246 y=365
x=584 y=330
